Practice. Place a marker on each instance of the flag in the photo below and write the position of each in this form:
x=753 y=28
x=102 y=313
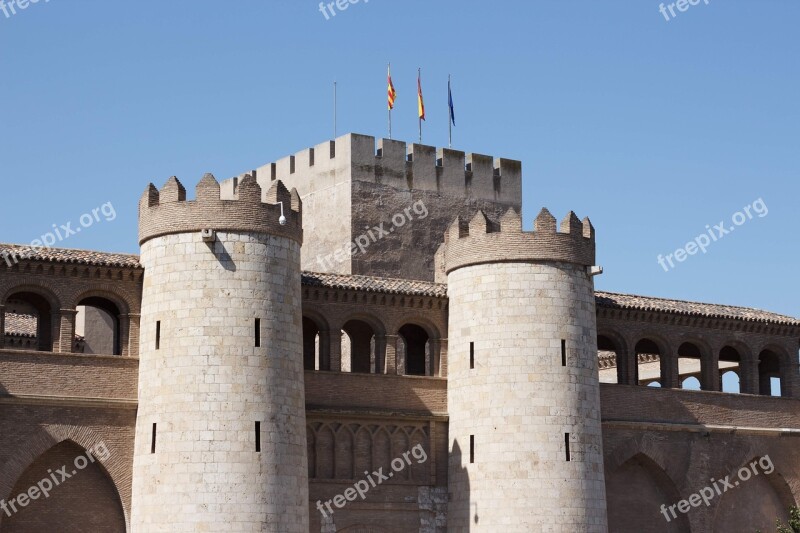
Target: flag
x=450 y=103
x=392 y=92
x=420 y=102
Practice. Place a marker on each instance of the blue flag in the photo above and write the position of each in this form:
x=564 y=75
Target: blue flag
x=450 y=103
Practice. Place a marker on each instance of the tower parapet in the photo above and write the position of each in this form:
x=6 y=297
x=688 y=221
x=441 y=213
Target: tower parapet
x=251 y=208
x=484 y=241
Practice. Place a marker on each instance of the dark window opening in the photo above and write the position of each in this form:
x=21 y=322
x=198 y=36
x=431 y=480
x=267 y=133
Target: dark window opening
x=563 y=352
x=472 y=355
x=258 y=436
x=472 y=448
x=258 y=332
x=158 y=334
x=153 y=440
x=566 y=445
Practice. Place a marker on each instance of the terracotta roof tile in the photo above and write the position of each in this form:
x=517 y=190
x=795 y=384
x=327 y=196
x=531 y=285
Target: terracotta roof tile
x=612 y=300
x=372 y=284
x=607 y=300
x=20 y=325
x=67 y=255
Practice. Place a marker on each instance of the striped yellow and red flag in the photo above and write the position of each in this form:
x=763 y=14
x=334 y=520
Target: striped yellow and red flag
x=420 y=101
x=392 y=93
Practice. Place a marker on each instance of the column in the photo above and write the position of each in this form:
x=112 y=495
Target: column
x=709 y=365
x=324 y=350
x=335 y=343
x=129 y=335
x=391 y=355
x=65 y=320
x=748 y=375
x=380 y=354
x=670 y=375
x=2 y=326
x=627 y=366
x=436 y=350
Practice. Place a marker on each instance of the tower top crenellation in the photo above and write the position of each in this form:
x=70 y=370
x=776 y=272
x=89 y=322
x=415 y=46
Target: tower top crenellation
x=481 y=240
x=250 y=209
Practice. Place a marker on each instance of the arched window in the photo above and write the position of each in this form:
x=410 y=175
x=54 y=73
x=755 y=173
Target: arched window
x=648 y=359
x=311 y=360
x=417 y=349
x=690 y=365
x=769 y=373
x=98 y=323
x=729 y=369
x=358 y=347
x=32 y=314
x=609 y=360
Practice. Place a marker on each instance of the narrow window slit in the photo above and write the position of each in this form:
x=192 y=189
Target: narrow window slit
x=563 y=352
x=258 y=332
x=472 y=355
x=472 y=448
x=566 y=446
x=153 y=440
x=258 y=436
x=158 y=334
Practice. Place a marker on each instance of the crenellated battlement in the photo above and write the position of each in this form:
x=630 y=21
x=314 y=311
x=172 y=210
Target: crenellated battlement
x=481 y=240
x=249 y=208
x=395 y=163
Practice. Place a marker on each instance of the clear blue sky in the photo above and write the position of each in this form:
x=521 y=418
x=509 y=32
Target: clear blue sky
x=653 y=128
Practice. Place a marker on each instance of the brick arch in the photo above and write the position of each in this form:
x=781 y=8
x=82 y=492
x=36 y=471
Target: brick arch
x=49 y=436
x=637 y=446
x=318 y=318
x=746 y=353
x=376 y=322
x=122 y=299
x=782 y=496
x=706 y=350
x=46 y=290
x=640 y=481
x=623 y=353
x=777 y=349
x=665 y=348
x=663 y=342
x=430 y=328
x=617 y=338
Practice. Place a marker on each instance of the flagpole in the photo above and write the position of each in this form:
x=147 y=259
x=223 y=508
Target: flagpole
x=334 y=109
x=449 y=121
x=419 y=84
x=389 y=71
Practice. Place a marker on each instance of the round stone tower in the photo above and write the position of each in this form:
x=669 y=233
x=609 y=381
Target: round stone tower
x=220 y=430
x=523 y=388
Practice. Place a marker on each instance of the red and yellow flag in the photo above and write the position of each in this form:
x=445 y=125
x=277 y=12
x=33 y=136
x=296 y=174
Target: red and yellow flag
x=392 y=92
x=420 y=101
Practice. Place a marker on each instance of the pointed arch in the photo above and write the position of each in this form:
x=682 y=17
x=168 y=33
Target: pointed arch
x=641 y=483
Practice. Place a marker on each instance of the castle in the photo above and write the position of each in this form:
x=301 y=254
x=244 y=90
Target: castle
x=362 y=338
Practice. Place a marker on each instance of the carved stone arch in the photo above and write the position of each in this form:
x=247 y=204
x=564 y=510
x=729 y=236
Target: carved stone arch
x=49 y=436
